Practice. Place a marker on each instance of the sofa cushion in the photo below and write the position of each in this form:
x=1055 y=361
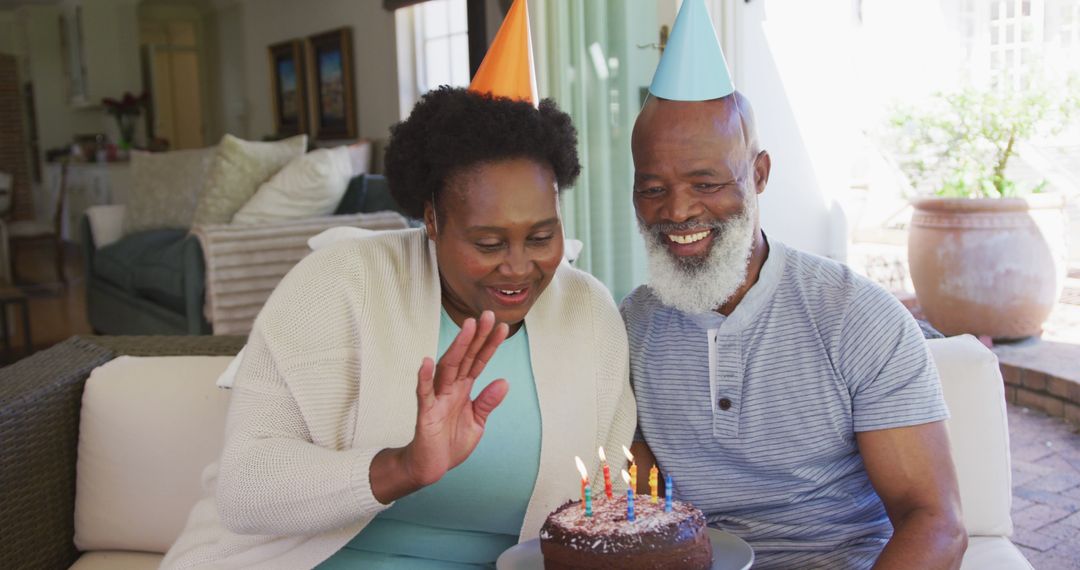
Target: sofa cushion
x=165 y=188
x=159 y=275
x=993 y=553
x=367 y=193
x=106 y=223
x=148 y=428
x=117 y=560
x=116 y=263
x=309 y=186
x=978 y=430
x=237 y=171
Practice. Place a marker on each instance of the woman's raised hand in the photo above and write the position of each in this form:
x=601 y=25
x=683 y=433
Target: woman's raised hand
x=448 y=422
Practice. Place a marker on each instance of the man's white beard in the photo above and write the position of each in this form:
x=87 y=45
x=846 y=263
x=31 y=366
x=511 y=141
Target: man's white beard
x=700 y=285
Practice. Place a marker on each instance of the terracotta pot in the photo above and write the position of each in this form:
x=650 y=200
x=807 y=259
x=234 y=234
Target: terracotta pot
x=988 y=266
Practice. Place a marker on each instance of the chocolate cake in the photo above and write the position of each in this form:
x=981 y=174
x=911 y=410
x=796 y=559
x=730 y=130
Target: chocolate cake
x=655 y=539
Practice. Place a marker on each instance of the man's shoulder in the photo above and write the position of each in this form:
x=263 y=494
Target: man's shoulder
x=828 y=284
x=639 y=304
x=810 y=269
x=836 y=293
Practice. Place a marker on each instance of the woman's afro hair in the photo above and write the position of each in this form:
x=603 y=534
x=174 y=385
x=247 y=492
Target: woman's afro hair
x=451 y=129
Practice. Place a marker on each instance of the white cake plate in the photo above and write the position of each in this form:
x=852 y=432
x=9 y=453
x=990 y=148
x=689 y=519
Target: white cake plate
x=729 y=552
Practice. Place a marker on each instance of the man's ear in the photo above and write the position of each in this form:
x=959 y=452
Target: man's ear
x=430 y=220
x=762 y=166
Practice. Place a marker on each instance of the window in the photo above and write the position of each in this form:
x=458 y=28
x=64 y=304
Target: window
x=442 y=44
x=1069 y=28
x=1016 y=36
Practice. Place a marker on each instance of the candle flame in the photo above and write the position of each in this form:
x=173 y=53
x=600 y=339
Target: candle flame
x=581 y=468
x=625 y=476
x=629 y=456
x=602 y=458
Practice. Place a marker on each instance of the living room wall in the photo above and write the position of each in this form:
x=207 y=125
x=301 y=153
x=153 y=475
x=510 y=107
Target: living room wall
x=266 y=22
x=36 y=40
x=7 y=31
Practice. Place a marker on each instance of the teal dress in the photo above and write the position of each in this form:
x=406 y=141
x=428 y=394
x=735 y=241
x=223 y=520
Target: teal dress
x=476 y=510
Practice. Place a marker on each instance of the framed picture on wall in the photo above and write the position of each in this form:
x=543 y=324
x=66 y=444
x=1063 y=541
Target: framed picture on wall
x=331 y=63
x=289 y=84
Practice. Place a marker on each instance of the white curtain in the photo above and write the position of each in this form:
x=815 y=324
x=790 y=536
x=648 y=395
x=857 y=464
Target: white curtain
x=591 y=64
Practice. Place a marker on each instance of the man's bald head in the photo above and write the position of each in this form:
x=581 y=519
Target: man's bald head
x=730 y=118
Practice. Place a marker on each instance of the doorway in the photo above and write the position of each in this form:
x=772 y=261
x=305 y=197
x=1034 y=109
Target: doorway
x=172 y=74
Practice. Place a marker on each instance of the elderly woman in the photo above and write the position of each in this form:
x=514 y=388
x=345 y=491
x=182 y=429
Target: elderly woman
x=347 y=444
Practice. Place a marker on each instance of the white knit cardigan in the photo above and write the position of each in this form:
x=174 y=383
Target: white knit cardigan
x=329 y=380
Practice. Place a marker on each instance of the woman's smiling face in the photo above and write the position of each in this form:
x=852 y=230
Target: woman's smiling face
x=498 y=238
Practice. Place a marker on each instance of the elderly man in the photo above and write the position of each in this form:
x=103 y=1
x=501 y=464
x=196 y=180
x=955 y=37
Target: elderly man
x=794 y=402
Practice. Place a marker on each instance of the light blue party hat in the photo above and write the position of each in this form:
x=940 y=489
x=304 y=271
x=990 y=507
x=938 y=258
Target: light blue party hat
x=693 y=66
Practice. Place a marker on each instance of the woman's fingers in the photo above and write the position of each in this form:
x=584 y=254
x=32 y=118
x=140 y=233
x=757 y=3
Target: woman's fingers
x=483 y=330
x=489 y=398
x=449 y=364
x=497 y=336
x=425 y=384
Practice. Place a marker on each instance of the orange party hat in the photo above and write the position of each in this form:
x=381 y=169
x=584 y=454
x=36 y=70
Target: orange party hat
x=507 y=69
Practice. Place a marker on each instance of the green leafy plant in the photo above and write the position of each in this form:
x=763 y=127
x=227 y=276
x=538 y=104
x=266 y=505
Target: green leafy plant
x=959 y=144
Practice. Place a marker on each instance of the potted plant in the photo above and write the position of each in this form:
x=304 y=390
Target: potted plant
x=986 y=251
x=126 y=111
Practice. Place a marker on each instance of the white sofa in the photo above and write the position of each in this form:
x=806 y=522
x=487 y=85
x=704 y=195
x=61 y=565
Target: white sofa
x=150 y=425
x=979 y=433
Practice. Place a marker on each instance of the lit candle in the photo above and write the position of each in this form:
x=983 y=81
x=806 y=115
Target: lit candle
x=667 y=492
x=633 y=469
x=607 y=473
x=654 y=482
x=629 y=497
x=586 y=492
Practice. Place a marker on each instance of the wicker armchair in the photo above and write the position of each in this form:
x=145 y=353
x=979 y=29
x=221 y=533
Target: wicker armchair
x=40 y=399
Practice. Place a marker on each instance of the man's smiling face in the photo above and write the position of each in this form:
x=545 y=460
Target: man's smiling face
x=697 y=175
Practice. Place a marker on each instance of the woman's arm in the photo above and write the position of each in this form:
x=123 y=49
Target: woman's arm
x=274 y=480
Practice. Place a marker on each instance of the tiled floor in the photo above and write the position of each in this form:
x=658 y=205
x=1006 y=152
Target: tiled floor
x=1046 y=489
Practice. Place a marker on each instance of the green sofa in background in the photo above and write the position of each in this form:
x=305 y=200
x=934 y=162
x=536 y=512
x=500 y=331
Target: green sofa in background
x=153 y=282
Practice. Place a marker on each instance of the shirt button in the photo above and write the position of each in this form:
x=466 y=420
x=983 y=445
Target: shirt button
x=724 y=403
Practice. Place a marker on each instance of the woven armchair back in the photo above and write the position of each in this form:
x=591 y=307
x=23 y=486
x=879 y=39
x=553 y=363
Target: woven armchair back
x=40 y=399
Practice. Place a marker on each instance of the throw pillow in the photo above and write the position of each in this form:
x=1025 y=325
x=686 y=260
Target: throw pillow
x=239 y=168
x=166 y=188
x=309 y=186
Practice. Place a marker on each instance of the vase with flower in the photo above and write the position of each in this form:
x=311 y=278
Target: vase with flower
x=126 y=111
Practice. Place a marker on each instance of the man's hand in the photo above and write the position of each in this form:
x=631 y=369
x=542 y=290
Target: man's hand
x=912 y=471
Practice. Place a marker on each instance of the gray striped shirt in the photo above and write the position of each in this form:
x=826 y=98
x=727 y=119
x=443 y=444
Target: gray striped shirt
x=754 y=415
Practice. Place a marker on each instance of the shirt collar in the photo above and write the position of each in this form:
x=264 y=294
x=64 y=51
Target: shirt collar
x=772 y=271
x=761 y=292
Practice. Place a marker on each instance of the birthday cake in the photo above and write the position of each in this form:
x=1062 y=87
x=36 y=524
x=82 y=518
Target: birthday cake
x=607 y=539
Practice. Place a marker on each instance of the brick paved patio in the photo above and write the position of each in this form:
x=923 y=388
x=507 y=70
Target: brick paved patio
x=1046 y=488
